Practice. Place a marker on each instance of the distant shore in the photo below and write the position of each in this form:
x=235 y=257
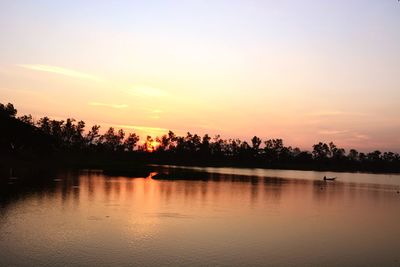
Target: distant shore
x=49 y=143
x=135 y=166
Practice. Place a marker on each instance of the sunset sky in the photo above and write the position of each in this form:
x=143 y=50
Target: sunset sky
x=304 y=71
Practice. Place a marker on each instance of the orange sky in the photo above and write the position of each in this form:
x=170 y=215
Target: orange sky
x=304 y=72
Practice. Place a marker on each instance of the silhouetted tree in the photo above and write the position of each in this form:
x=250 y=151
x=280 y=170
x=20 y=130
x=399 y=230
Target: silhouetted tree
x=27 y=119
x=56 y=129
x=255 y=144
x=93 y=137
x=353 y=155
x=130 y=142
x=164 y=143
x=321 y=151
x=148 y=144
x=205 y=146
x=111 y=140
x=216 y=146
x=21 y=136
x=362 y=157
x=8 y=110
x=44 y=125
x=335 y=152
x=374 y=156
x=273 y=149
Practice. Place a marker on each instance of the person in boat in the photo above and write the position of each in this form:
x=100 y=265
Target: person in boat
x=324 y=177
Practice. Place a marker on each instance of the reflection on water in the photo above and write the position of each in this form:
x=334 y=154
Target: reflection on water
x=89 y=219
x=383 y=179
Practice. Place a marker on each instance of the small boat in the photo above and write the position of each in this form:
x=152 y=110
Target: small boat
x=329 y=178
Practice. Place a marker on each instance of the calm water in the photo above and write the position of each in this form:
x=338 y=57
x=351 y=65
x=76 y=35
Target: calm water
x=231 y=217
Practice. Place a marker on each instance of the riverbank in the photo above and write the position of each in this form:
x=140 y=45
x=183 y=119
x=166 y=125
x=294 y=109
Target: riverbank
x=139 y=165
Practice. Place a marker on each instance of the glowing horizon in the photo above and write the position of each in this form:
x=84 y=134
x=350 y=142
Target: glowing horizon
x=301 y=71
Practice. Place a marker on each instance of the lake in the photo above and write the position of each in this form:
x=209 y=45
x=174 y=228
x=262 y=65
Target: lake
x=224 y=217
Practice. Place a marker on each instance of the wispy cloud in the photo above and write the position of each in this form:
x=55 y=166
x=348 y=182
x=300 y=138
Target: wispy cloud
x=333 y=132
x=152 y=110
x=116 y=106
x=327 y=113
x=155 y=114
x=147 y=91
x=143 y=128
x=61 y=71
x=361 y=136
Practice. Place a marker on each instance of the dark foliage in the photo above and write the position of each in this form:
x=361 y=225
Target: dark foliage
x=67 y=142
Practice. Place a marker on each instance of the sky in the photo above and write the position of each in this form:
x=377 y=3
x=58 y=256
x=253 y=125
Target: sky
x=305 y=71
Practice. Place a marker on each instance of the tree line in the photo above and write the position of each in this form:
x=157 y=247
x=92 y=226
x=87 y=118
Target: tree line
x=62 y=136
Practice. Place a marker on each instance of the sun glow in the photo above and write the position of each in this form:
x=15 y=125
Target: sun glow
x=150 y=145
x=222 y=70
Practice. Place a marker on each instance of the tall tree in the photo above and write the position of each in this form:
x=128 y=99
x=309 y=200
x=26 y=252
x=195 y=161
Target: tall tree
x=130 y=142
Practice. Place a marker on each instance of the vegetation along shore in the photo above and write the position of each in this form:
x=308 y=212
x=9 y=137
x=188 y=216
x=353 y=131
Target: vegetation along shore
x=65 y=143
